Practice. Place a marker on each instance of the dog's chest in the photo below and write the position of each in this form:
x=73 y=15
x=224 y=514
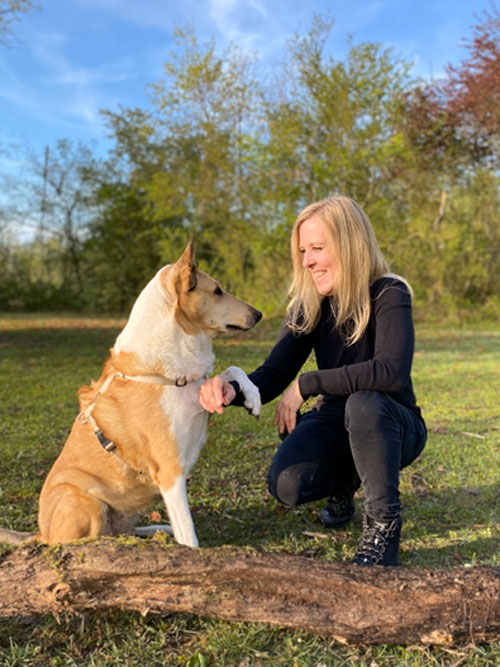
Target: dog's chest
x=188 y=421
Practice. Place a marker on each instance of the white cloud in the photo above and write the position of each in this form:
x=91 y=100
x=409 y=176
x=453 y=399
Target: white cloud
x=159 y=14
x=110 y=72
x=60 y=91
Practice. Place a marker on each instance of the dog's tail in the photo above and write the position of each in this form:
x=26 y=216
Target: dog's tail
x=17 y=538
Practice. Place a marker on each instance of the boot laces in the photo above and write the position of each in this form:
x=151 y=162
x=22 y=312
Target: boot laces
x=374 y=541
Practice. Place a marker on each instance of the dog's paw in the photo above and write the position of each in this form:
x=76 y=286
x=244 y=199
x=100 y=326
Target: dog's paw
x=149 y=531
x=252 y=398
x=251 y=393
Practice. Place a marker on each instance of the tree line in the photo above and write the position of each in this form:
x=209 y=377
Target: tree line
x=229 y=152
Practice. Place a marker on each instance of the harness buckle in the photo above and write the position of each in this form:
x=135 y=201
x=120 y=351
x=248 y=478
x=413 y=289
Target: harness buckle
x=108 y=445
x=181 y=382
x=83 y=417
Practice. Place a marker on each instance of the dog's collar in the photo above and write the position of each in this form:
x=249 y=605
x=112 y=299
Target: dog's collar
x=157 y=379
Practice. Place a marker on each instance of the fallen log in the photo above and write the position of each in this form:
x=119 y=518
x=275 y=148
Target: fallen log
x=349 y=603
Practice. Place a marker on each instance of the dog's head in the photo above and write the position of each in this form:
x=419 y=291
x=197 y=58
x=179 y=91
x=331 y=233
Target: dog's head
x=201 y=303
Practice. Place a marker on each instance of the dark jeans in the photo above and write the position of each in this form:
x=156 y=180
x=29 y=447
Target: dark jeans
x=329 y=453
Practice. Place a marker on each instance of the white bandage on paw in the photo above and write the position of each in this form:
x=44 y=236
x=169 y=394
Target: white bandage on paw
x=247 y=387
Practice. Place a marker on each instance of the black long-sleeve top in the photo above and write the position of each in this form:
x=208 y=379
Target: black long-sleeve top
x=379 y=361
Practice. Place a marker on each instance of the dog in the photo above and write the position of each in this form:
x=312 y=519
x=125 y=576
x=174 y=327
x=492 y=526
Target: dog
x=141 y=428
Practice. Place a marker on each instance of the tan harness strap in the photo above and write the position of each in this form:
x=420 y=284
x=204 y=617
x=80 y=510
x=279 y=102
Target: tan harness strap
x=85 y=416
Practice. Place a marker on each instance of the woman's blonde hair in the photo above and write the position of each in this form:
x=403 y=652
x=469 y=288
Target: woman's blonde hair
x=359 y=263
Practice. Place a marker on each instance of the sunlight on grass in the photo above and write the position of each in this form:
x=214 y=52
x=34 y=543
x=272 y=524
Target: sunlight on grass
x=450 y=495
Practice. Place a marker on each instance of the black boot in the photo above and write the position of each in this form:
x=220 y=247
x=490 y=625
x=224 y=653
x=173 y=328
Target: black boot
x=339 y=510
x=379 y=543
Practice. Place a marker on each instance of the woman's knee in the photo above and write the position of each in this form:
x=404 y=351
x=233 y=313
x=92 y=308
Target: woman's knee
x=365 y=409
x=289 y=485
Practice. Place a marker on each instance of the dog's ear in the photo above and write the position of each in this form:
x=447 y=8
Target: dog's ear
x=186 y=268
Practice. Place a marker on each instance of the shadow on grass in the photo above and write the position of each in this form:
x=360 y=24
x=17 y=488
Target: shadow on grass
x=426 y=541
x=461 y=528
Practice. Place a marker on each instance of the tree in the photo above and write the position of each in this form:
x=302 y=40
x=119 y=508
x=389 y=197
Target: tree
x=471 y=92
x=9 y=12
x=455 y=119
x=193 y=155
x=51 y=206
x=333 y=129
x=451 y=129
x=121 y=250
x=335 y=119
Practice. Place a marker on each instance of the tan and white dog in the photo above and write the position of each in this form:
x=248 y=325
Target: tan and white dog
x=141 y=427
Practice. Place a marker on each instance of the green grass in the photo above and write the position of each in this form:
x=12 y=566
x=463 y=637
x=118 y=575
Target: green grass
x=450 y=496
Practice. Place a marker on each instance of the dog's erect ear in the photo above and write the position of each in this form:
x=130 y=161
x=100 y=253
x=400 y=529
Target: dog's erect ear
x=186 y=269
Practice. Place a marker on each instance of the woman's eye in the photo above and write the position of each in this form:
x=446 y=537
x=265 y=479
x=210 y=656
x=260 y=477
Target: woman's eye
x=218 y=291
x=317 y=249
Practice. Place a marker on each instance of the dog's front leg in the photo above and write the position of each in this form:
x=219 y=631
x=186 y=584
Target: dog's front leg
x=176 y=501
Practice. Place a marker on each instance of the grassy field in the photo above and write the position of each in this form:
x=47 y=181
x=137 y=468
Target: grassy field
x=450 y=496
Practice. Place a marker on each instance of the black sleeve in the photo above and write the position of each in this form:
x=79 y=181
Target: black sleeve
x=389 y=369
x=281 y=366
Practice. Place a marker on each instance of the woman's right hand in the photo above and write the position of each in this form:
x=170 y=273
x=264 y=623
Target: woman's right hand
x=215 y=393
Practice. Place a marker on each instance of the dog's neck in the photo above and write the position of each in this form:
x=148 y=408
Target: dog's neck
x=158 y=343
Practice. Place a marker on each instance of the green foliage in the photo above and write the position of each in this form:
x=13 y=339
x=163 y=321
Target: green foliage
x=32 y=277
x=121 y=253
x=450 y=496
x=334 y=125
x=229 y=152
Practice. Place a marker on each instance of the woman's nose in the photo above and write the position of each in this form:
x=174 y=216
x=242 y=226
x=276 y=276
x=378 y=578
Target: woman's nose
x=308 y=260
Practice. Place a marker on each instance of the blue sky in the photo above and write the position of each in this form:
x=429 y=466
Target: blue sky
x=75 y=57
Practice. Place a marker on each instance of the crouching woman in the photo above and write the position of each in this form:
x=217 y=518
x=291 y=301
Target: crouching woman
x=365 y=424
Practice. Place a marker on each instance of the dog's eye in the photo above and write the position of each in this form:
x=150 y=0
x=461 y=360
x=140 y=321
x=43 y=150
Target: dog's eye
x=218 y=291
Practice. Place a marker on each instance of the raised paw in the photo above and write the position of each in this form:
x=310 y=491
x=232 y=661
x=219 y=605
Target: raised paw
x=251 y=393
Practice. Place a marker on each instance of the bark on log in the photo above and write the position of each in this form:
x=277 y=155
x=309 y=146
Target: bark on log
x=350 y=603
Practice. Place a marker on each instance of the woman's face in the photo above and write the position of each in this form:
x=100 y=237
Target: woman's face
x=318 y=254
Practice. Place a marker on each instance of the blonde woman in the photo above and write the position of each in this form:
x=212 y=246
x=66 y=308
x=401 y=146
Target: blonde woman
x=365 y=425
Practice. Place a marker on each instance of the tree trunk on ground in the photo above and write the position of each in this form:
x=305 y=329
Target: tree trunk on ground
x=349 y=603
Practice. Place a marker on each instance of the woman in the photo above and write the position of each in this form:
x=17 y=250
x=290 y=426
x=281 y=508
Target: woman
x=365 y=425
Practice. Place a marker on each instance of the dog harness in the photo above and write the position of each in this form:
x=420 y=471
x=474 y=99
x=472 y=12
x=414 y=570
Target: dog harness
x=85 y=416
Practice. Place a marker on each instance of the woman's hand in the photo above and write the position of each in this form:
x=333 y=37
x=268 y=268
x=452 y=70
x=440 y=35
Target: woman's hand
x=286 y=412
x=215 y=393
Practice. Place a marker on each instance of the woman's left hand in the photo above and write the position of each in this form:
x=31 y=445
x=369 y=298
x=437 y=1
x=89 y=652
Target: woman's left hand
x=289 y=405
